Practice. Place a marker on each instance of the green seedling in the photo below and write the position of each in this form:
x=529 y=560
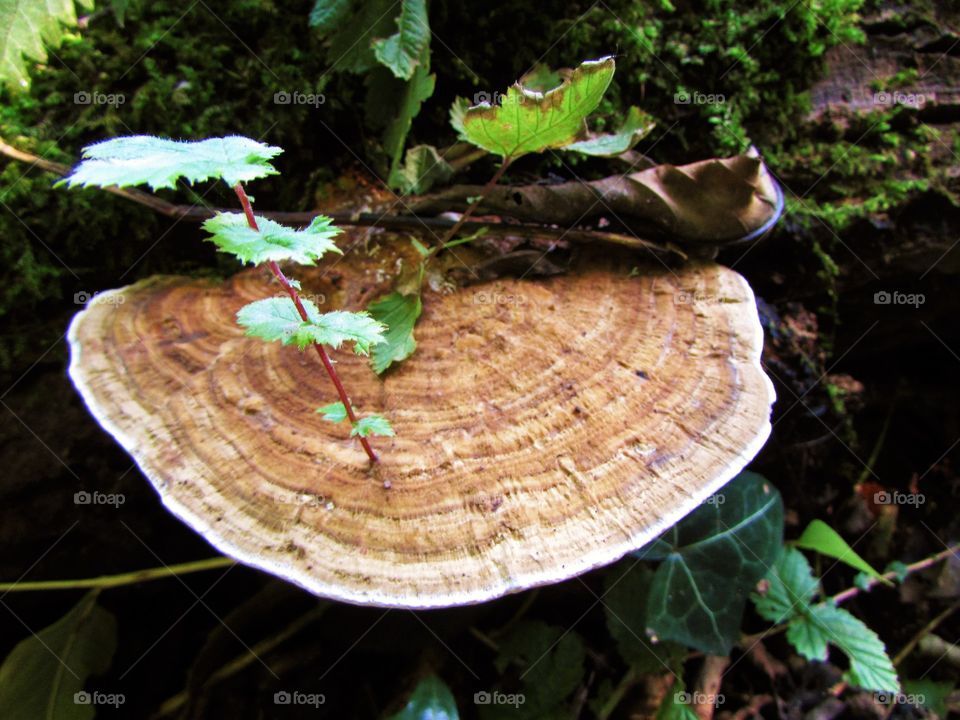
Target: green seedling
x=160 y=163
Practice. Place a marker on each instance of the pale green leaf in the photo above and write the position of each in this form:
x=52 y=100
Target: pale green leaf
x=277 y=319
x=422 y=169
x=334 y=412
x=529 y=121
x=372 y=425
x=635 y=127
x=273 y=241
x=823 y=539
x=159 y=163
x=328 y=14
x=431 y=700
x=42 y=674
x=399 y=313
x=30 y=27
x=458 y=112
x=870 y=667
x=402 y=51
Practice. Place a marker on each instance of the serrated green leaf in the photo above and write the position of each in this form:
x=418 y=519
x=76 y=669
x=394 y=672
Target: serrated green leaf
x=277 y=319
x=790 y=588
x=334 y=412
x=431 y=700
x=626 y=590
x=635 y=127
x=870 y=667
x=231 y=234
x=458 y=112
x=422 y=168
x=29 y=28
x=41 y=675
x=328 y=14
x=402 y=51
x=717 y=555
x=399 y=313
x=372 y=425
x=823 y=539
x=159 y=163
x=528 y=121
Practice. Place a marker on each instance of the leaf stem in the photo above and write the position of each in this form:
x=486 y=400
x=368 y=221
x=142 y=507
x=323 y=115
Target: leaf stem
x=129 y=578
x=295 y=296
x=479 y=199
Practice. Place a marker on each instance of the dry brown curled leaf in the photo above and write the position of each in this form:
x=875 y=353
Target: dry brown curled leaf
x=707 y=202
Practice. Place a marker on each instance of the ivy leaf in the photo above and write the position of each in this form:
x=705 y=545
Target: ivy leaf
x=823 y=539
x=790 y=588
x=399 y=313
x=422 y=168
x=328 y=14
x=431 y=700
x=29 y=28
x=529 y=121
x=635 y=127
x=626 y=590
x=42 y=673
x=717 y=555
x=159 y=163
x=870 y=667
x=401 y=52
x=277 y=319
x=232 y=234
x=334 y=412
x=372 y=425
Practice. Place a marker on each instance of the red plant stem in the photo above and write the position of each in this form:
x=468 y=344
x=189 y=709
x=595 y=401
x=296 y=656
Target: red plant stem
x=479 y=199
x=295 y=296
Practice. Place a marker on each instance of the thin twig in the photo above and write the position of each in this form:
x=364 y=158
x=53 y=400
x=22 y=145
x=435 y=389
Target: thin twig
x=128 y=578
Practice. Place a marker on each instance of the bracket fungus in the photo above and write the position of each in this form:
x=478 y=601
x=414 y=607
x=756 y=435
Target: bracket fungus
x=544 y=427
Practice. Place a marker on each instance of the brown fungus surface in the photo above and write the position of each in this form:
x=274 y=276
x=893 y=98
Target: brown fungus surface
x=543 y=427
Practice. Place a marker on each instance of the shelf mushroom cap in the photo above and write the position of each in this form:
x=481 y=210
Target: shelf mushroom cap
x=544 y=427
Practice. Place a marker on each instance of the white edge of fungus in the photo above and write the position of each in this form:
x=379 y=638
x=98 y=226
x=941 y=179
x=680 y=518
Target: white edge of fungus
x=600 y=557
